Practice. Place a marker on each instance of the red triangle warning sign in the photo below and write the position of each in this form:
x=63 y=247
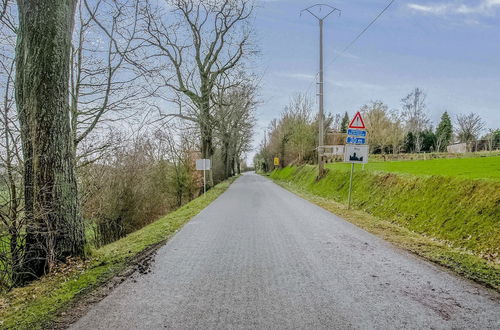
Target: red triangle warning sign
x=357 y=122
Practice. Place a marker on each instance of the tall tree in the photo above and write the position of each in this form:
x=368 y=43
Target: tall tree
x=414 y=113
x=345 y=123
x=54 y=226
x=379 y=124
x=469 y=126
x=205 y=41
x=444 y=132
x=234 y=123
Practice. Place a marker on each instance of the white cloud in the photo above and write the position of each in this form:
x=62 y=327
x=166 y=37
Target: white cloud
x=484 y=7
x=430 y=9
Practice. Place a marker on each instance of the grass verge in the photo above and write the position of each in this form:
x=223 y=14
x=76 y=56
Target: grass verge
x=466 y=262
x=37 y=305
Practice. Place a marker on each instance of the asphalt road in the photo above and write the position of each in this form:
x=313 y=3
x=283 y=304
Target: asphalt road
x=260 y=257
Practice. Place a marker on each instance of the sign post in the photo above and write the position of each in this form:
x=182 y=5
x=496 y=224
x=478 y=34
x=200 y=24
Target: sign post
x=350 y=188
x=203 y=165
x=356 y=150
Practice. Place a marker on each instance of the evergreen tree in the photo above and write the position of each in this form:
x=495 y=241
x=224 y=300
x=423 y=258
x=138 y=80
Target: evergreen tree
x=409 y=143
x=444 y=132
x=345 y=123
x=428 y=139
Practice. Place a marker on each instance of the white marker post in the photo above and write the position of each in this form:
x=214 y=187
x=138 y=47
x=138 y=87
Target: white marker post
x=203 y=165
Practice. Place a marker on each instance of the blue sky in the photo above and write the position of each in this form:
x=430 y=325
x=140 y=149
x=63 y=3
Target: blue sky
x=451 y=49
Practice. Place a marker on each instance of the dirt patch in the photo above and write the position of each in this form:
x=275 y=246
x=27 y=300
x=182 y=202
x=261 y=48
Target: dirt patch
x=140 y=264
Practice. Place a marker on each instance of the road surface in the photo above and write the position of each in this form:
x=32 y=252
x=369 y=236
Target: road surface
x=260 y=257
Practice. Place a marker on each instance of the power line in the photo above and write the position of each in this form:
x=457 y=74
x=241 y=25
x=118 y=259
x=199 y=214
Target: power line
x=363 y=31
x=382 y=12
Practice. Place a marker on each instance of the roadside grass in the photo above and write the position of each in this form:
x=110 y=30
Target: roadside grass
x=472 y=168
x=37 y=305
x=452 y=221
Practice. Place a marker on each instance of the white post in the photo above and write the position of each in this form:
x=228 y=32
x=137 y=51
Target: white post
x=204 y=182
x=350 y=188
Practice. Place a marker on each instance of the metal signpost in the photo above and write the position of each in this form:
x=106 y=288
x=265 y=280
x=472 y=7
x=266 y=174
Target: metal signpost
x=356 y=150
x=203 y=165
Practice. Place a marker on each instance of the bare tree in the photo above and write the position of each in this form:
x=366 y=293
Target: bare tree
x=11 y=221
x=207 y=40
x=106 y=86
x=378 y=124
x=491 y=138
x=177 y=149
x=415 y=116
x=468 y=128
x=234 y=121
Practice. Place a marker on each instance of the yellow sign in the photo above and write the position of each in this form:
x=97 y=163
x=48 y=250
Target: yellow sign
x=276 y=161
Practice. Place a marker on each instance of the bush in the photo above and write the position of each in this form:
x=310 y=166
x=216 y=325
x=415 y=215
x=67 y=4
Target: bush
x=132 y=189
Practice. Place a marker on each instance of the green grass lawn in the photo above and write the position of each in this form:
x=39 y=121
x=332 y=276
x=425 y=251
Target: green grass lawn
x=472 y=168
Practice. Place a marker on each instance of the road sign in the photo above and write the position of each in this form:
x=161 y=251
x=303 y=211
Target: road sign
x=356 y=132
x=203 y=164
x=355 y=140
x=356 y=151
x=337 y=150
x=357 y=122
x=356 y=154
x=276 y=161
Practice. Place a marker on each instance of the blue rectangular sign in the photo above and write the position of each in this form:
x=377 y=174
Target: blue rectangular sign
x=356 y=132
x=355 y=140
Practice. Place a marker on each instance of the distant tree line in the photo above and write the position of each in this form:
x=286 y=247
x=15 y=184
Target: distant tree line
x=293 y=136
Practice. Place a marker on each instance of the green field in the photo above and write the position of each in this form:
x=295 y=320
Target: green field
x=472 y=168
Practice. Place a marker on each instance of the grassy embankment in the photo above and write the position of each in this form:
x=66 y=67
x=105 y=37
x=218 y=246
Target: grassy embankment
x=36 y=305
x=451 y=220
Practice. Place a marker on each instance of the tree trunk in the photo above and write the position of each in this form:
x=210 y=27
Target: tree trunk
x=54 y=226
x=207 y=149
x=226 y=157
x=233 y=165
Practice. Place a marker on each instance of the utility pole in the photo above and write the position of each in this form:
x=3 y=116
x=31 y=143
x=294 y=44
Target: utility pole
x=321 y=17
